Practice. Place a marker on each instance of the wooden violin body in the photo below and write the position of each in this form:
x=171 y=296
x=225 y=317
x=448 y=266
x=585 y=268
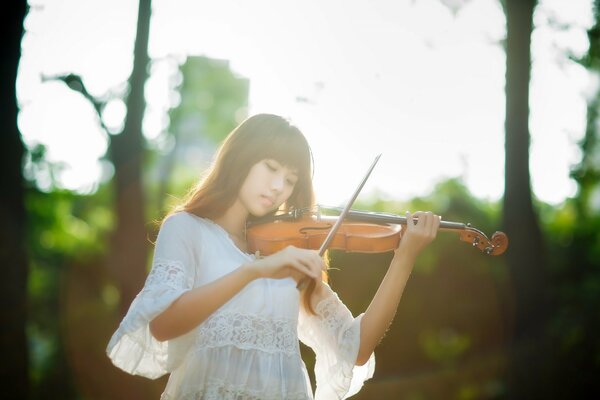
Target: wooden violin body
x=363 y=232
x=309 y=233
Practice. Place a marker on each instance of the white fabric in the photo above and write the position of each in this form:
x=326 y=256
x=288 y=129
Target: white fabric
x=248 y=348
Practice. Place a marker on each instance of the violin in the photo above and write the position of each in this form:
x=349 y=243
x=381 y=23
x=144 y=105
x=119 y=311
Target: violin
x=360 y=231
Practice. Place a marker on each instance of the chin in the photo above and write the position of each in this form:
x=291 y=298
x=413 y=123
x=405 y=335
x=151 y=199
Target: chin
x=263 y=212
x=259 y=213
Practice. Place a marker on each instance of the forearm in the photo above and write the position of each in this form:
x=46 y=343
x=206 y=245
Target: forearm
x=381 y=311
x=196 y=305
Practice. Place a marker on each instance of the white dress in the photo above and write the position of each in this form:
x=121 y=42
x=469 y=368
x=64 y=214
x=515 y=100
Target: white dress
x=248 y=348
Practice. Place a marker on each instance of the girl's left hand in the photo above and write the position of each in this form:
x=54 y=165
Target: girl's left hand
x=418 y=233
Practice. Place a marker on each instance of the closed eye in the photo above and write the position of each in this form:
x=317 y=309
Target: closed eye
x=271 y=166
x=275 y=166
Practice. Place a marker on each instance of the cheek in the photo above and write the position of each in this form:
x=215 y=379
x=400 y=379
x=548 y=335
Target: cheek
x=246 y=189
x=253 y=178
x=288 y=192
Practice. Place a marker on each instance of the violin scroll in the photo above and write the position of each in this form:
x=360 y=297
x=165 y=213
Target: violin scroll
x=494 y=247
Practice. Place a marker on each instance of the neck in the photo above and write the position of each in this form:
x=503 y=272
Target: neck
x=234 y=220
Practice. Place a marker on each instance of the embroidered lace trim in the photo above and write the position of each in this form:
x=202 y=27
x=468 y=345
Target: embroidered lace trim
x=249 y=332
x=167 y=272
x=334 y=316
x=219 y=390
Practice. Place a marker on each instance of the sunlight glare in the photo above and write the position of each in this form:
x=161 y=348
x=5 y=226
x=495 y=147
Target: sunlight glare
x=417 y=81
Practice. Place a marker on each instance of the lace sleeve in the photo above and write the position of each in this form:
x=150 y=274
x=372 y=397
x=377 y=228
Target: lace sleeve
x=132 y=347
x=334 y=335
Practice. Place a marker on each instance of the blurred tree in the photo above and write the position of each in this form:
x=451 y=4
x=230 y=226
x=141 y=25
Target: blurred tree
x=127 y=259
x=526 y=251
x=14 y=378
x=129 y=245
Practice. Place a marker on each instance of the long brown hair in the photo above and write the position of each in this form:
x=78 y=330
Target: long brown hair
x=262 y=136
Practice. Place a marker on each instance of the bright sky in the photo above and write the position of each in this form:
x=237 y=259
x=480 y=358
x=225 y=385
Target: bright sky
x=405 y=78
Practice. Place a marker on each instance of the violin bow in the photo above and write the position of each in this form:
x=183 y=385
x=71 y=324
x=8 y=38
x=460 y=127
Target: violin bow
x=340 y=219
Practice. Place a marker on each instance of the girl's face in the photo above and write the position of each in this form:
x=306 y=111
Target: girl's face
x=268 y=185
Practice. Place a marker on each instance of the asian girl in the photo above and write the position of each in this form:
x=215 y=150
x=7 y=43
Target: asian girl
x=225 y=323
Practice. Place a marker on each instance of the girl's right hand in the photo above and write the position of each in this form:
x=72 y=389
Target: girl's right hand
x=291 y=262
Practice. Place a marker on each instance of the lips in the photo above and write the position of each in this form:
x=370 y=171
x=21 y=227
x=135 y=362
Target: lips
x=267 y=201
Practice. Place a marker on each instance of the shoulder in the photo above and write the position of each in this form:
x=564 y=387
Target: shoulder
x=180 y=223
x=185 y=224
x=181 y=231
x=183 y=219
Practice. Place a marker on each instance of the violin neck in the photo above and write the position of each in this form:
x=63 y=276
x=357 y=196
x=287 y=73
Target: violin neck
x=358 y=216
x=362 y=216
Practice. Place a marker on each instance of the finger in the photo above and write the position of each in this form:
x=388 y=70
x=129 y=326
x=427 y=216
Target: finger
x=318 y=265
x=420 y=218
x=320 y=262
x=314 y=268
x=416 y=218
x=309 y=266
x=296 y=275
x=294 y=265
x=428 y=222
x=313 y=260
x=409 y=221
x=436 y=224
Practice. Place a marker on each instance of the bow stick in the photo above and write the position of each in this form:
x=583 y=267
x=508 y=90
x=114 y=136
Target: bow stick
x=340 y=219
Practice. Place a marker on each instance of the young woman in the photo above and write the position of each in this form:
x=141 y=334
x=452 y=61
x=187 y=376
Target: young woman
x=225 y=323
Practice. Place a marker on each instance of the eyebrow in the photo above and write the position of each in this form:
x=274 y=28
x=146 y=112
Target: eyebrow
x=293 y=171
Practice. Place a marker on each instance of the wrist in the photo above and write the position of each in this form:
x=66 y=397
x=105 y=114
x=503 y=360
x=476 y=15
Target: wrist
x=406 y=252
x=251 y=271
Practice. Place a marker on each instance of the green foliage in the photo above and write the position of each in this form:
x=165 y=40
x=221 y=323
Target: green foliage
x=444 y=346
x=67 y=224
x=573 y=245
x=213 y=100
x=63 y=229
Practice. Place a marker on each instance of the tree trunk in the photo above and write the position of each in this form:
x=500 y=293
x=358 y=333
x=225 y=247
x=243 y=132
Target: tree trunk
x=13 y=257
x=525 y=254
x=130 y=245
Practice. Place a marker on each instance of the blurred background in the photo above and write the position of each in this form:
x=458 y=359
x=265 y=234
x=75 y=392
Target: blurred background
x=486 y=112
